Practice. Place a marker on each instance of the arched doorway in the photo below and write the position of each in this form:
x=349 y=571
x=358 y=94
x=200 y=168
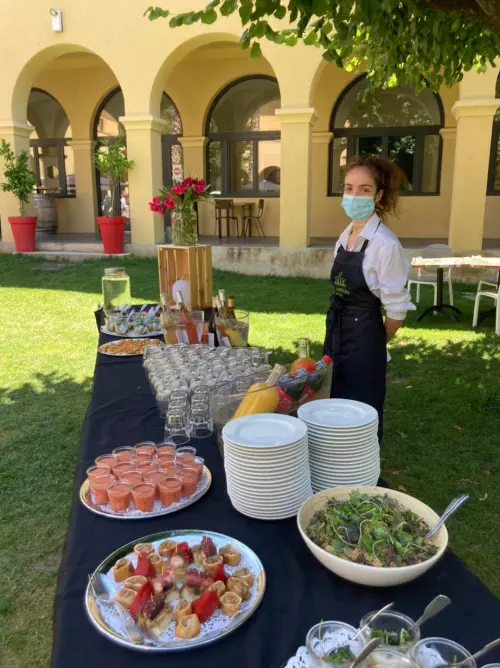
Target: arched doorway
x=396 y=123
x=243 y=151
x=51 y=153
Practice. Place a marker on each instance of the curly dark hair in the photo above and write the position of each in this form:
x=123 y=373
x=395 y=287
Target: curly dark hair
x=388 y=177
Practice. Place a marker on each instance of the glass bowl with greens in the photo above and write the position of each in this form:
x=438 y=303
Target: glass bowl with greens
x=439 y=653
x=392 y=628
x=328 y=644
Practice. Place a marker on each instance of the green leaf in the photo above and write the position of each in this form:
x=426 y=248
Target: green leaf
x=176 y=21
x=228 y=7
x=367 y=542
x=259 y=29
x=280 y=12
x=310 y=39
x=154 y=13
x=190 y=18
x=209 y=16
x=245 y=12
x=255 y=51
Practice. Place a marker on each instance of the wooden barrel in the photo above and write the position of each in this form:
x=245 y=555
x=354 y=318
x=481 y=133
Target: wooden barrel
x=46 y=211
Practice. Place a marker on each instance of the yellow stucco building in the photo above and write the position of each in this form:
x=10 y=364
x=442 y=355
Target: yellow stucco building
x=280 y=128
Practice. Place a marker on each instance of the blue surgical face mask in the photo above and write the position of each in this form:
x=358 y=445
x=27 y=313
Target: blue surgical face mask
x=358 y=207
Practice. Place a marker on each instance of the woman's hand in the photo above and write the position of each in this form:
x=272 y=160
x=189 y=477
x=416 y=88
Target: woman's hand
x=391 y=327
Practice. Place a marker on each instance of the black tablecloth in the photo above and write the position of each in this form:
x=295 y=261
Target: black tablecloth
x=300 y=591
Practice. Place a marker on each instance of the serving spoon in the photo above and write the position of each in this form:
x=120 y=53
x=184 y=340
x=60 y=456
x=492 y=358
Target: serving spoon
x=450 y=510
x=487 y=648
x=436 y=605
x=365 y=652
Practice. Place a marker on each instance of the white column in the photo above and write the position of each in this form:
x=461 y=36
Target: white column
x=470 y=172
x=145 y=179
x=295 y=200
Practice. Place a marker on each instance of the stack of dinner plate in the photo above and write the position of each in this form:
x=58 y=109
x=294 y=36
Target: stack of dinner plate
x=343 y=443
x=267 y=467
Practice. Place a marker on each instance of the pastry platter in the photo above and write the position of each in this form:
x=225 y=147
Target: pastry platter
x=181 y=586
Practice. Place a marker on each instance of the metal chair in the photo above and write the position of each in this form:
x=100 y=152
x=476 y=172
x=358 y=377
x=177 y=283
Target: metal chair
x=247 y=221
x=224 y=210
x=427 y=276
x=494 y=294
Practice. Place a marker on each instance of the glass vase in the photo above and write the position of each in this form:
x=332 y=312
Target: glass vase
x=184 y=227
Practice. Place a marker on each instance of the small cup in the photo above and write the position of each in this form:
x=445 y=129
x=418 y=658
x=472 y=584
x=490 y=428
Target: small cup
x=189 y=481
x=99 y=488
x=122 y=467
x=325 y=637
x=132 y=477
x=170 y=490
x=105 y=460
x=172 y=470
x=143 y=457
x=145 y=448
x=185 y=459
x=96 y=471
x=124 y=454
x=180 y=440
x=154 y=477
x=144 y=495
x=198 y=464
x=119 y=496
x=165 y=450
x=424 y=653
x=393 y=622
x=146 y=467
x=186 y=451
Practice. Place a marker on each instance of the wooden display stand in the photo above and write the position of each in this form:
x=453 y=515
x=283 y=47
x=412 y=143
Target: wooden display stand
x=191 y=263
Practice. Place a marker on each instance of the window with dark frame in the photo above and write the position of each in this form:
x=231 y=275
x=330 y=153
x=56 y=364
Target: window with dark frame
x=50 y=149
x=395 y=123
x=493 y=187
x=244 y=139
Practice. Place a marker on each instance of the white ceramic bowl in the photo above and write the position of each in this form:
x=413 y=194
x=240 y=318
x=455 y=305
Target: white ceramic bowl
x=359 y=573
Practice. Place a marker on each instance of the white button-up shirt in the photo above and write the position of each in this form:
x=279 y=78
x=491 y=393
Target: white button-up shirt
x=385 y=266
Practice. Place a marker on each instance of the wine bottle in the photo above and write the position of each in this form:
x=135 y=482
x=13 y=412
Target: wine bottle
x=262 y=397
x=168 y=320
x=212 y=328
x=186 y=321
x=230 y=307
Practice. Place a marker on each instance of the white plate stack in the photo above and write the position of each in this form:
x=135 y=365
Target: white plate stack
x=267 y=468
x=343 y=443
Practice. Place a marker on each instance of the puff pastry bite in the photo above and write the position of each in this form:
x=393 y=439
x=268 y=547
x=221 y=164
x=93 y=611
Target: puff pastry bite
x=238 y=586
x=244 y=574
x=122 y=570
x=230 y=555
x=167 y=548
x=230 y=603
x=148 y=548
x=135 y=582
x=183 y=609
x=188 y=627
x=157 y=562
x=125 y=597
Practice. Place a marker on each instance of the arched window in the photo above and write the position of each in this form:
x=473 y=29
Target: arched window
x=494 y=168
x=395 y=123
x=107 y=126
x=243 y=152
x=53 y=161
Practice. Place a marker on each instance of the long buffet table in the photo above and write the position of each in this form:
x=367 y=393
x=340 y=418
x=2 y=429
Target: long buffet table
x=300 y=591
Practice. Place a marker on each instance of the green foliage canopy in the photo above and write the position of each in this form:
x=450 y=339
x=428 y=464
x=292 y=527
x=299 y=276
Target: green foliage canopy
x=110 y=160
x=414 y=42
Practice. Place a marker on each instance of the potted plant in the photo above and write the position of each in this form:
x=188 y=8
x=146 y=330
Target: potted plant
x=111 y=161
x=180 y=199
x=20 y=181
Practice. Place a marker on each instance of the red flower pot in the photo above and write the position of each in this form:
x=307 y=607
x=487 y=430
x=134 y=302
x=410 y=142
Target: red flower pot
x=24 y=232
x=112 y=233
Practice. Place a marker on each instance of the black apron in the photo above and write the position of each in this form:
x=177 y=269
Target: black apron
x=355 y=334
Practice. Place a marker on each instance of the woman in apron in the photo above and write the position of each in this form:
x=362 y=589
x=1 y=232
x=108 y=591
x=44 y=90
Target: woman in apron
x=370 y=271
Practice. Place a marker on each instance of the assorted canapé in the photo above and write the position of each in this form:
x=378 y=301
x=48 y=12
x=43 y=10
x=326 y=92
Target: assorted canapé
x=181 y=585
x=127 y=346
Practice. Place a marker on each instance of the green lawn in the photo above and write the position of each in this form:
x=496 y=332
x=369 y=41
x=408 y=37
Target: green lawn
x=442 y=427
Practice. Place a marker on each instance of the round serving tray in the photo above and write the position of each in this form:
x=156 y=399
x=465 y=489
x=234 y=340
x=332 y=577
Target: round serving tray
x=129 y=335
x=105 y=511
x=108 y=622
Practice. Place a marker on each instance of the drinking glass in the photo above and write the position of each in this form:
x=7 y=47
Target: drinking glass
x=393 y=622
x=431 y=652
x=324 y=638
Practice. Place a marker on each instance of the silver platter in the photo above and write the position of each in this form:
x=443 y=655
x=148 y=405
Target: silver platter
x=111 y=343
x=107 y=622
x=129 y=335
x=105 y=511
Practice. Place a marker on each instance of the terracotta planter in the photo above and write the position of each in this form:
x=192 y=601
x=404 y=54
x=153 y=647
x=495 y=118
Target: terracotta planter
x=112 y=233
x=24 y=232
